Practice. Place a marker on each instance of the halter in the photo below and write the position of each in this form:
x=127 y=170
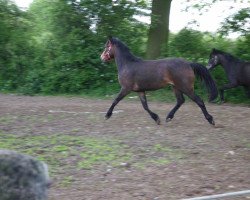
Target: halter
x=213 y=61
x=108 y=52
x=106 y=55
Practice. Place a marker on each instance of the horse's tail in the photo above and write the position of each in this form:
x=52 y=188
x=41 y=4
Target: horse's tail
x=203 y=73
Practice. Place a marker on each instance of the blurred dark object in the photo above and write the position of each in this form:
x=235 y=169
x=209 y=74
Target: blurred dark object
x=22 y=177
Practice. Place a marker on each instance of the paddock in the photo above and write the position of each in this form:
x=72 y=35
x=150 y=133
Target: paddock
x=130 y=157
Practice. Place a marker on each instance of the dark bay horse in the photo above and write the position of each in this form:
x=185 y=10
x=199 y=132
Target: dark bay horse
x=237 y=71
x=135 y=74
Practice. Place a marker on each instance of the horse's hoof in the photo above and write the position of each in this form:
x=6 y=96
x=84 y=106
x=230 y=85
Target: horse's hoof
x=212 y=122
x=214 y=101
x=168 y=119
x=222 y=101
x=107 y=116
x=158 y=121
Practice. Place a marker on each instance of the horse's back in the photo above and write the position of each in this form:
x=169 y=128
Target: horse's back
x=177 y=71
x=171 y=64
x=178 y=67
x=155 y=74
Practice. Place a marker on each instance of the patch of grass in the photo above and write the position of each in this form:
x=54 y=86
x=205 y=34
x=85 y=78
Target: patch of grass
x=159 y=147
x=67 y=181
x=70 y=152
x=65 y=151
x=7 y=120
x=103 y=152
x=157 y=154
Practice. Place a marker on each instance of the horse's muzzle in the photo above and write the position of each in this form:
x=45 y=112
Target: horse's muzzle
x=105 y=57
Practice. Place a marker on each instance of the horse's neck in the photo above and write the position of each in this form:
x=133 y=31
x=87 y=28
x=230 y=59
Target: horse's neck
x=120 y=63
x=227 y=65
x=123 y=60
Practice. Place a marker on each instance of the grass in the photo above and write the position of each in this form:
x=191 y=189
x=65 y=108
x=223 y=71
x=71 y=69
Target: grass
x=7 y=120
x=58 y=150
x=248 y=145
x=67 y=181
x=63 y=152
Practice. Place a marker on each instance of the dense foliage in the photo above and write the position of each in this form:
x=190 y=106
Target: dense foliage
x=54 y=47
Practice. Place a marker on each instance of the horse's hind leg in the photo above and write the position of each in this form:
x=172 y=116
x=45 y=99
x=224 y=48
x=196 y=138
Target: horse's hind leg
x=201 y=104
x=180 y=101
x=145 y=106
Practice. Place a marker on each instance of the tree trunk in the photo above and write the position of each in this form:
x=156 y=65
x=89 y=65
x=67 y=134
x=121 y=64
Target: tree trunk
x=159 y=28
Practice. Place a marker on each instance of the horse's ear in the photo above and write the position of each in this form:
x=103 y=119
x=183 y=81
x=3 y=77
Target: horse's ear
x=110 y=38
x=215 y=50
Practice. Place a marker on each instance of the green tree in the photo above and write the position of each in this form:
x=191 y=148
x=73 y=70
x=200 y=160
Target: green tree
x=240 y=23
x=14 y=49
x=68 y=37
x=159 y=29
x=189 y=44
x=55 y=46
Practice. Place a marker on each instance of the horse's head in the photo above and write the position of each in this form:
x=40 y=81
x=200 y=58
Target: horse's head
x=108 y=53
x=213 y=59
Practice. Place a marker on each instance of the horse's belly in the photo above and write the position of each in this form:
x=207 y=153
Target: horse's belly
x=149 y=86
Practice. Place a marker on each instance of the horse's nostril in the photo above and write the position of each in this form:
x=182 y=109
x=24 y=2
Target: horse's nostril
x=104 y=58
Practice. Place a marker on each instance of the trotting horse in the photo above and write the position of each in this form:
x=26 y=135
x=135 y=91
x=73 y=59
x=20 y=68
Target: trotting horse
x=237 y=71
x=135 y=74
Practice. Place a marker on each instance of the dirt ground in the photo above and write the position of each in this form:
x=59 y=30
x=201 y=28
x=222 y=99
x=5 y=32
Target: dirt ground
x=196 y=158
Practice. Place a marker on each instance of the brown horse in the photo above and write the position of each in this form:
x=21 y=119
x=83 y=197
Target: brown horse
x=135 y=74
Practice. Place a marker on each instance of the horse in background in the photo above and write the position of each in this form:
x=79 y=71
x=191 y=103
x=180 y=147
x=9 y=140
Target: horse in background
x=237 y=71
x=138 y=75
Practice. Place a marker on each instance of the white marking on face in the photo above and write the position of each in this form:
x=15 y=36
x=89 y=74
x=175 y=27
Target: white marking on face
x=102 y=56
x=215 y=60
x=209 y=66
x=212 y=62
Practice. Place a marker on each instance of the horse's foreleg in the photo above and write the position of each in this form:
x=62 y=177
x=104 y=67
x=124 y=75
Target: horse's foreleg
x=202 y=106
x=180 y=101
x=145 y=106
x=226 y=87
x=123 y=92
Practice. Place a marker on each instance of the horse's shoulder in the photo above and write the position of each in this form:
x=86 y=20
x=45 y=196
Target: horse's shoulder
x=244 y=64
x=247 y=63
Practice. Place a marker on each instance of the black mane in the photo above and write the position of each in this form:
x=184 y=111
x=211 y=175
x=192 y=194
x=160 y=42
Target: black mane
x=125 y=50
x=228 y=56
